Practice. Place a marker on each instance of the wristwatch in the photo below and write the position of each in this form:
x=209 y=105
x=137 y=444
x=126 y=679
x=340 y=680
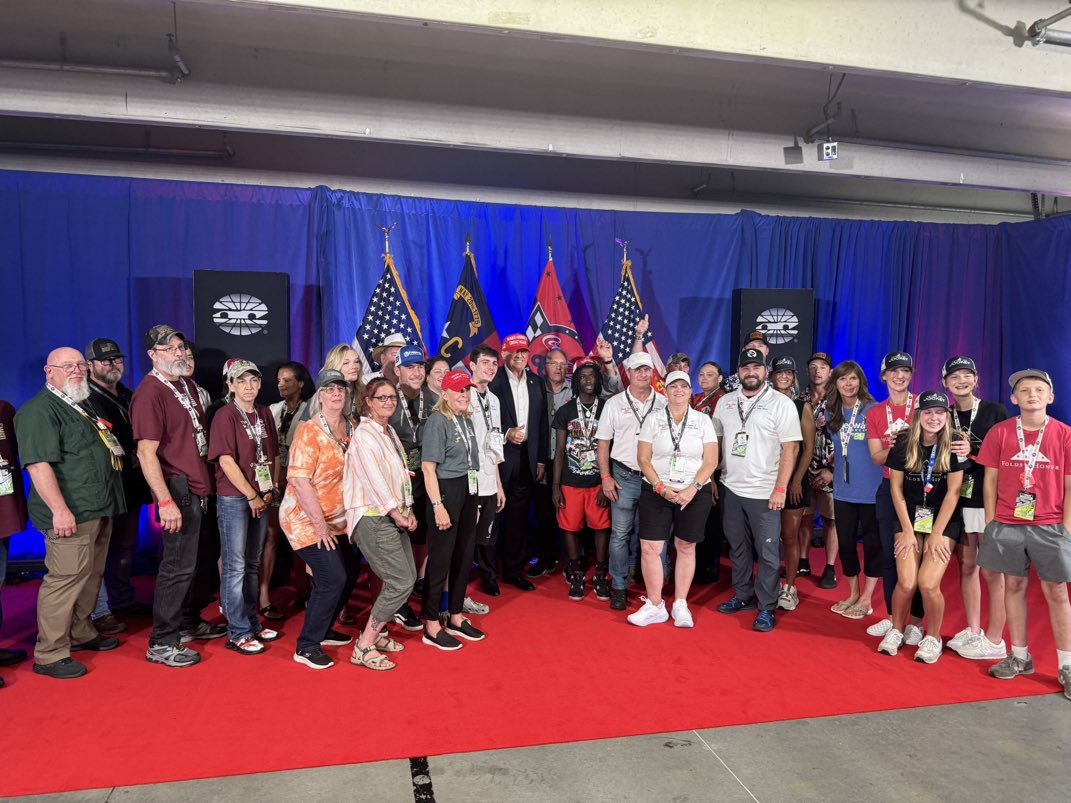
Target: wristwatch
x=436 y=504
x=697 y=485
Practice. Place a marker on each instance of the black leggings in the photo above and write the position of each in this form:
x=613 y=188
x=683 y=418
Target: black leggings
x=850 y=516
x=450 y=550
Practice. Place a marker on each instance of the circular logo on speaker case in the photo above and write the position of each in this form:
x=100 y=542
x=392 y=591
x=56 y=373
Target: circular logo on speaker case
x=240 y=314
x=780 y=325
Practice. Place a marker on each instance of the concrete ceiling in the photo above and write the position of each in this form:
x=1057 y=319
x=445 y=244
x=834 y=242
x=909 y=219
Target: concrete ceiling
x=320 y=91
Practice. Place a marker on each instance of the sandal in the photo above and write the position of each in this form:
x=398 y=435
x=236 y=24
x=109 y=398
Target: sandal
x=267 y=635
x=246 y=646
x=380 y=663
x=855 y=612
x=841 y=606
x=271 y=613
x=387 y=644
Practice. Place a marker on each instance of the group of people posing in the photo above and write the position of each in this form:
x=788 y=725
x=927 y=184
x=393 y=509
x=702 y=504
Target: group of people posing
x=424 y=472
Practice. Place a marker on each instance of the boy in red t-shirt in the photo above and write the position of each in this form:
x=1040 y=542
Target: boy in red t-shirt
x=1027 y=495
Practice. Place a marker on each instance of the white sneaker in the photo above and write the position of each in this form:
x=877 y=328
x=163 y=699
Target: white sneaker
x=682 y=617
x=879 y=628
x=649 y=614
x=473 y=607
x=788 y=599
x=961 y=638
x=913 y=635
x=892 y=641
x=980 y=648
x=929 y=650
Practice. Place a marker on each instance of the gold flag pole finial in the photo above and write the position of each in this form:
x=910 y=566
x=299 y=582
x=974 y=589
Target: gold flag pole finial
x=386 y=238
x=468 y=244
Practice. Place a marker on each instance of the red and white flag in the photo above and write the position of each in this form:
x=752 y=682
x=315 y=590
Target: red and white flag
x=550 y=326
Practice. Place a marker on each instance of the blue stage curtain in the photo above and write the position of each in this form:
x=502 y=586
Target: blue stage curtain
x=85 y=257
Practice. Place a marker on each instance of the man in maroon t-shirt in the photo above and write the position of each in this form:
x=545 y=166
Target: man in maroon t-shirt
x=1027 y=496
x=168 y=418
x=12 y=508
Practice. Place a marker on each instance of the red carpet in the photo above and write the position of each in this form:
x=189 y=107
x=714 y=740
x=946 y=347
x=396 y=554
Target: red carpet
x=551 y=670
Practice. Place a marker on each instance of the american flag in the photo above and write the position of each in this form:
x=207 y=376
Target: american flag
x=619 y=328
x=388 y=312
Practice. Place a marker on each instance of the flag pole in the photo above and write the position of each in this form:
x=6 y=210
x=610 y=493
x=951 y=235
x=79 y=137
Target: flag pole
x=550 y=250
x=624 y=254
x=386 y=238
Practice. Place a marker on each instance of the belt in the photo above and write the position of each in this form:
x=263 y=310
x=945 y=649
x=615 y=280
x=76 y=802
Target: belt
x=626 y=469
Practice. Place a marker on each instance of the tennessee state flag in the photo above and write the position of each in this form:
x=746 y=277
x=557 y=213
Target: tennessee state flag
x=468 y=324
x=550 y=326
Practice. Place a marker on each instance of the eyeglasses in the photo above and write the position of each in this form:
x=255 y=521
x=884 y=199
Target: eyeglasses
x=333 y=390
x=178 y=349
x=556 y=363
x=112 y=362
x=391 y=399
x=71 y=367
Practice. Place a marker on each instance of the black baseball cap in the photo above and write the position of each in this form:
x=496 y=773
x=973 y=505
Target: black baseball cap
x=783 y=363
x=933 y=398
x=755 y=334
x=821 y=355
x=329 y=376
x=160 y=334
x=958 y=364
x=897 y=359
x=103 y=349
x=751 y=357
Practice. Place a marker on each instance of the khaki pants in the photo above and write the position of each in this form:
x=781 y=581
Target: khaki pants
x=69 y=591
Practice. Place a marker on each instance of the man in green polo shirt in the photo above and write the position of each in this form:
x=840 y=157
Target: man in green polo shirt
x=76 y=489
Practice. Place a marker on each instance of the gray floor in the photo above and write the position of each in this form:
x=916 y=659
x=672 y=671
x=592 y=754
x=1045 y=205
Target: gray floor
x=994 y=751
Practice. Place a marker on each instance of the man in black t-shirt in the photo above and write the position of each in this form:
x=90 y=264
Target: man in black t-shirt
x=974 y=417
x=576 y=489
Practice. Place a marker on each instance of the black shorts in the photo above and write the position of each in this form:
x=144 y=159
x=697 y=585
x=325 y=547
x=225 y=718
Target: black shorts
x=660 y=519
x=953 y=530
x=805 y=499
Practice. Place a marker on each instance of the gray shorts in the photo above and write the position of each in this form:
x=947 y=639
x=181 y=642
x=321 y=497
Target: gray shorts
x=1011 y=548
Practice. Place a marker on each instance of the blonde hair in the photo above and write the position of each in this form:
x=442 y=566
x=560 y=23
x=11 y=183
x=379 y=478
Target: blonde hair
x=443 y=406
x=913 y=459
x=333 y=362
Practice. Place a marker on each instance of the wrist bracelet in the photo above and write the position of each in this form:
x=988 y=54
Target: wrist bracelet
x=660 y=487
x=778 y=489
x=251 y=498
x=607 y=476
x=164 y=503
x=607 y=362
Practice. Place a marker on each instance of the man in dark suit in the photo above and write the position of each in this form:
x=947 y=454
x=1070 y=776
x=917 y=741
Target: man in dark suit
x=524 y=420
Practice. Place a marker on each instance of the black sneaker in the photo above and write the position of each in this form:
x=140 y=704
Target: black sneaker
x=334 y=639
x=202 y=632
x=576 y=586
x=601 y=584
x=540 y=568
x=97 y=644
x=63 y=669
x=829 y=577
x=174 y=655
x=314 y=658
x=618 y=599
x=804 y=569
x=12 y=657
x=442 y=640
x=466 y=631
x=407 y=619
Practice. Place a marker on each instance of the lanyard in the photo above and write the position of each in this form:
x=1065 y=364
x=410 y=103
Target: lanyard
x=587 y=418
x=927 y=485
x=751 y=409
x=970 y=421
x=631 y=406
x=185 y=399
x=115 y=450
x=255 y=433
x=485 y=409
x=469 y=437
x=675 y=437
x=122 y=408
x=888 y=411
x=846 y=430
x=699 y=404
x=342 y=443
x=1028 y=472
x=404 y=404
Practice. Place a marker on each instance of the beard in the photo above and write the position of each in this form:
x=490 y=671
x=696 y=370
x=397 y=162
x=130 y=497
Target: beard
x=76 y=391
x=751 y=383
x=109 y=377
x=180 y=366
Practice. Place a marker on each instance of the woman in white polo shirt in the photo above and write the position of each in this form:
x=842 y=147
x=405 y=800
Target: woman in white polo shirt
x=677 y=452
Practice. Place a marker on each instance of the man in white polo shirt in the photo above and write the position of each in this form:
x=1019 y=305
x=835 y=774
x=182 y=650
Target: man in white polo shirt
x=760 y=437
x=621 y=420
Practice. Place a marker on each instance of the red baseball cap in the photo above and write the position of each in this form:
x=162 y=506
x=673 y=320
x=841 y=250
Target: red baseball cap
x=514 y=343
x=457 y=381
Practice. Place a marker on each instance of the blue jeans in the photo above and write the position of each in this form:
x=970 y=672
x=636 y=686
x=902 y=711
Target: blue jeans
x=625 y=528
x=328 y=582
x=116 y=591
x=241 y=539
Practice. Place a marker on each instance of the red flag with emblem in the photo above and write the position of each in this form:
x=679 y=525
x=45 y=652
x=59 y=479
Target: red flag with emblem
x=550 y=326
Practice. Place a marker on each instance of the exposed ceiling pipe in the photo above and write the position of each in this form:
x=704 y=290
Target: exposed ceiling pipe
x=223 y=155
x=953 y=151
x=101 y=69
x=1039 y=32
